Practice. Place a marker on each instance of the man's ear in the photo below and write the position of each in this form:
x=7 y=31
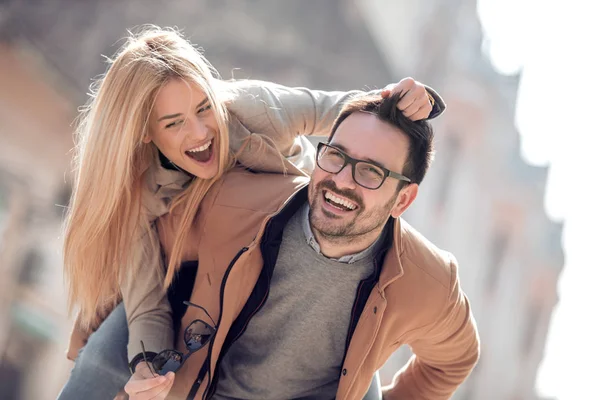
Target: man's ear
x=406 y=196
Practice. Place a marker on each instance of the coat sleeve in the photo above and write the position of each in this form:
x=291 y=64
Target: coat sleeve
x=283 y=113
x=147 y=306
x=443 y=356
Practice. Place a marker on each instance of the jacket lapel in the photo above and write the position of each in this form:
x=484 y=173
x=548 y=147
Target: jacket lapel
x=362 y=341
x=392 y=266
x=371 y=317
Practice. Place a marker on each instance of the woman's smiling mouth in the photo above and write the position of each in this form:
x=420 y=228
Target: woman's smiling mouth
x=202 y=153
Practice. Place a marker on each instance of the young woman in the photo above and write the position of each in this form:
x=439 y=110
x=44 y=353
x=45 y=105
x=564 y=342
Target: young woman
x=159 y=130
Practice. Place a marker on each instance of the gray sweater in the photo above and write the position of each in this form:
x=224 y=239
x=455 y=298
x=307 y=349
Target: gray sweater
x=293 y=348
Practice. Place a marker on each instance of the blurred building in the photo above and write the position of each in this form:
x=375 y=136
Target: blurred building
x=480 y=200
x=35 y=136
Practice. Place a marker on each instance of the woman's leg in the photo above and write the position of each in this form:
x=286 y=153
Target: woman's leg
x=101 y=368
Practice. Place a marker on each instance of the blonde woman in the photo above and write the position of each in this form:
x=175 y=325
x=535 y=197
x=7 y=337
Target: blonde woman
x=159 y=130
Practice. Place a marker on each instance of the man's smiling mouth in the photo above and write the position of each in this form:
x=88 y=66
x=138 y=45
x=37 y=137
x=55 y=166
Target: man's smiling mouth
x=338 y=202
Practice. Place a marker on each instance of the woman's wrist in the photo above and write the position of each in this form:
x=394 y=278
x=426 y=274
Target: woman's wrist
x=140 y=357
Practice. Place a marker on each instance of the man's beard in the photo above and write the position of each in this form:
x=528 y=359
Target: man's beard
x=362 y=223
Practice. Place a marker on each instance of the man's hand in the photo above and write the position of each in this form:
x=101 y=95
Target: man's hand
x=415 y=102
x=143 y=385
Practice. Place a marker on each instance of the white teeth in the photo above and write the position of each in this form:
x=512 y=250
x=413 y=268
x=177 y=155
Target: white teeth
x=330 y=196
x=201 y=148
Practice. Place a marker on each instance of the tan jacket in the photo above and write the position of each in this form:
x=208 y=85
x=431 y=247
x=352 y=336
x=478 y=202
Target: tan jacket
x=281 y=113
x=417 y=300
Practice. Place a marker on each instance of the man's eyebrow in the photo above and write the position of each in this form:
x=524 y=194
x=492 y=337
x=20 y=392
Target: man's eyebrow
x=339 y=146
x=370 y=160
x=374 y=162
x=203 y=102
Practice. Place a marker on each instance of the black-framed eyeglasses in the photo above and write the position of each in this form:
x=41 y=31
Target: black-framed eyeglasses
x=366 y=174
x=196 y=336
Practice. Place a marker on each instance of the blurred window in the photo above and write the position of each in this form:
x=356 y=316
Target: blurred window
x=30 y=271
x=532 y=322
x=497 y=252
x=448 y=167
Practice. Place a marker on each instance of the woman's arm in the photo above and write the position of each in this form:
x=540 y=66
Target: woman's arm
x=146 y=303
x=283 y=114
x=278 y=110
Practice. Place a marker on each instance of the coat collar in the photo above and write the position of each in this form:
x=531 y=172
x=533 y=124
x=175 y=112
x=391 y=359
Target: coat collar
x=392 y=265
x=162 y=185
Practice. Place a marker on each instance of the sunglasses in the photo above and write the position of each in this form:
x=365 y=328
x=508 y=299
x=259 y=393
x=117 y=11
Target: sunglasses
x=196 y=336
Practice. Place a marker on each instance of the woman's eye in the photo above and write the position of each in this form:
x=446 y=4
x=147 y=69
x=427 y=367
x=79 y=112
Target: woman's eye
x=172 y=124
x=205 y=108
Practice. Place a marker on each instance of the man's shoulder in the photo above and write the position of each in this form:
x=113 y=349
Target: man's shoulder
x=265 y=192
x=421 y=256
x=428 y=279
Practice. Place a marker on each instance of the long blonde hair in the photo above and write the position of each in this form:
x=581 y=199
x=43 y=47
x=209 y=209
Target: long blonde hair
x=106 y=220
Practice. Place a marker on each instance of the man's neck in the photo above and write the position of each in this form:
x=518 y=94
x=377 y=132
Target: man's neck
x=340 y=246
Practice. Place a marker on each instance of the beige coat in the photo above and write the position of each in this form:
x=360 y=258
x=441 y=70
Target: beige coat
x=417 y=300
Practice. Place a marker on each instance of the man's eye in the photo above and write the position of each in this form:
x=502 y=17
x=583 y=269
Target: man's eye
x=336 y=155
x=375 y=171
x=371 y=171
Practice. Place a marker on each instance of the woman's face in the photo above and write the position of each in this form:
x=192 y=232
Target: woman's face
x=184 y=128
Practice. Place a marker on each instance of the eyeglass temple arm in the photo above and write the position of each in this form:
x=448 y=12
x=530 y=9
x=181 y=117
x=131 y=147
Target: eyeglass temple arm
x=146 y=359
x=400 y=177
x=187 y=303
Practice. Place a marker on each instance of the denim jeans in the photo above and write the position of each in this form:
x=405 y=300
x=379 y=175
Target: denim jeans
x=101 y=368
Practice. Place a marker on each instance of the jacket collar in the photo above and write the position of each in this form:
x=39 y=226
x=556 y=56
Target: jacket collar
x=391 y=267
x=162 y=186
x=167 y=174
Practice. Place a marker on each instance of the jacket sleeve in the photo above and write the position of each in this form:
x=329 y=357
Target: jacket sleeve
x=147 y=306
x=282 y=112
x=444 y=355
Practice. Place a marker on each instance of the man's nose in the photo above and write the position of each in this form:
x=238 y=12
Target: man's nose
x=344 y=179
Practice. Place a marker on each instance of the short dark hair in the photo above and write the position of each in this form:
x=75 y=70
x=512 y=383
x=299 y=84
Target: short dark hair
x=420 y=133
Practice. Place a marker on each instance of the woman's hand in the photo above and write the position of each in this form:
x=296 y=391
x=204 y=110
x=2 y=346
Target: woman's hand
x=415 y=103
x=143 y=385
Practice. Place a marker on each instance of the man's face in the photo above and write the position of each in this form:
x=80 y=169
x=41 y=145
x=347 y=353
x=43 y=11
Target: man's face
x=365 y=137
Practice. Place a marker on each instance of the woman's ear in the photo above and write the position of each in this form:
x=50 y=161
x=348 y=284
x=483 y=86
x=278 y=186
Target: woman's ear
x=146 y=139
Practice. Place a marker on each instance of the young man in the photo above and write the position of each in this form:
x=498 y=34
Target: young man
x=313 y=287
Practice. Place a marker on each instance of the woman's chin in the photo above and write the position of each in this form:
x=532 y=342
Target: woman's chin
x=207 y=171
x=203 y=169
